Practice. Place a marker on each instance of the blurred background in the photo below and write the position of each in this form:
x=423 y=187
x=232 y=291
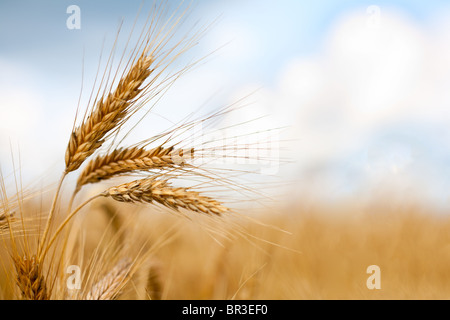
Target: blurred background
x=360 y=86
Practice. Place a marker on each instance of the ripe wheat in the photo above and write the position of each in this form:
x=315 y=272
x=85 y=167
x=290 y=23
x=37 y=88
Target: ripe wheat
x=108 y=114
x=121 y=161
x=150 y=190
x=30 y=279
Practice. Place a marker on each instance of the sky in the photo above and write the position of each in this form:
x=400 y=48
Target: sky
x=361 y=86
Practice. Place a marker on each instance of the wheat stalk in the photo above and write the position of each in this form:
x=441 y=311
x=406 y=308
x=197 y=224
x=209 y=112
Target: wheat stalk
x=109 y=113
x=108 y=288
x=121 y=161
x=150 y=190
x=30 y=279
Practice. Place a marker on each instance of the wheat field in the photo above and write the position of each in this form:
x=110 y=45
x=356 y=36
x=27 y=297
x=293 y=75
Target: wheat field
x=294 y=253
x=144 y=221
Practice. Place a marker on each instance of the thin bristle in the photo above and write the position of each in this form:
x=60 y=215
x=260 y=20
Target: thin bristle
x=109 y=287
x=109 y=113
x=30 y=279
x=122 y=161
x=150 y=190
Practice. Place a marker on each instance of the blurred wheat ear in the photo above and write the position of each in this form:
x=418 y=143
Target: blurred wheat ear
x=109 y=287
x=113 y=107
x=154 y=285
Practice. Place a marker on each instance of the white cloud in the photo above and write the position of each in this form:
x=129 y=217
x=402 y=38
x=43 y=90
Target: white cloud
x=20 y=114
x=354 y=107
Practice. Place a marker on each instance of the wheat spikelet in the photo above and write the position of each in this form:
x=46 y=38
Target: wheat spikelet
x=30 y=279
x=109 y=113
x=150 y=190
x=128 y=160
x=108 y=288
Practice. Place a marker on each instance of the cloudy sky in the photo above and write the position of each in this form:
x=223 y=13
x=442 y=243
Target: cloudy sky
x=363 y=86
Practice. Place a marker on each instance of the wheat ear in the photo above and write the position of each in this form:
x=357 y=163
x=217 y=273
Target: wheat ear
x=5 y=219
x=30 y=279
x=150 y=190
x=109 y=287
x=108 y=114
x=121 y=161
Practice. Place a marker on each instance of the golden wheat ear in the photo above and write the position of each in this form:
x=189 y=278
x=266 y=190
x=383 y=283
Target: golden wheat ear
x=123 y=161
x=30 y=279
x=150 y=190
x=154 y=285
x=109 y=113
x=6 y=218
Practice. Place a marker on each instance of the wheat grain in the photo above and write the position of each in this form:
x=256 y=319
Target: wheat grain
x=109 y=287
x=150 y=190
x=121 y=161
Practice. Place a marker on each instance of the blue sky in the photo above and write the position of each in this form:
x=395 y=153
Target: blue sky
x=34 y=31
x=309 y=59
